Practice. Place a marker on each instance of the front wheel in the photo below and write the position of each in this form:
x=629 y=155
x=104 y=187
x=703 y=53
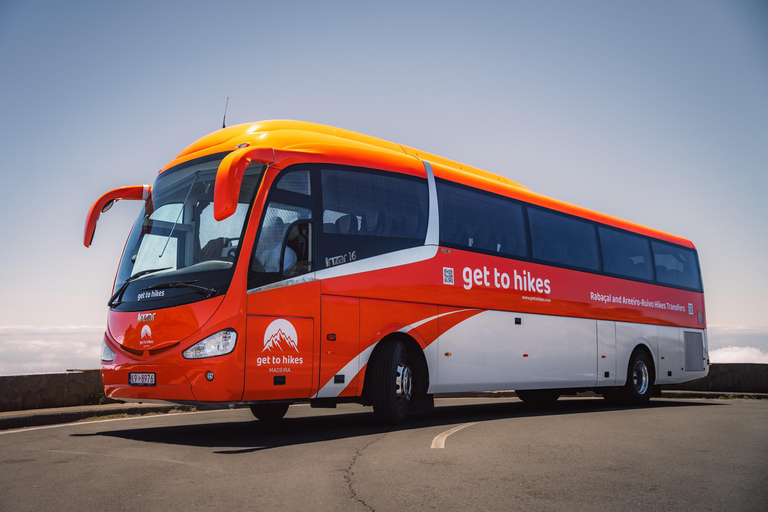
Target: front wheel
x=269 y=413
x=392 y=382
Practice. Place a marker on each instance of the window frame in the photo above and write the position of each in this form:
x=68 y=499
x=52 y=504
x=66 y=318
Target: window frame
x=557 y=213
x=695 y=254
x=320 y=233
x=647 y=240
x=526 y=232
x=526 y=207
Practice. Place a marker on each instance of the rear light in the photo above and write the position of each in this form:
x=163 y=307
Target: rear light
x=223 y=342
x=106 y=353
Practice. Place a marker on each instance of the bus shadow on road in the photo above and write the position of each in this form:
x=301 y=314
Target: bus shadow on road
x=236 y=436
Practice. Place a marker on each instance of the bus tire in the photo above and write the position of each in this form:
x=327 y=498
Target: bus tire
x=392 y=383
x=269 y=413
x=538 y=397
x=639 y=386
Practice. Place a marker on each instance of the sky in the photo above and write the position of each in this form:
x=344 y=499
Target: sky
x=655 y=112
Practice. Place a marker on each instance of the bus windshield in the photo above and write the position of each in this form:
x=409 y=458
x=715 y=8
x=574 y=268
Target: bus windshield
x=177 y=252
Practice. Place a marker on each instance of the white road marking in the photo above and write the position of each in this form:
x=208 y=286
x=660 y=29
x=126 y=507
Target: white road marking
x=439 y=441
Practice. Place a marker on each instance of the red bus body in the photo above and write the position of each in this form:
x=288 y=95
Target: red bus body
x=469 y=320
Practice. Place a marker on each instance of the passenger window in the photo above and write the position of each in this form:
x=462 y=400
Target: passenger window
x=676 y=266
x=563 y=240
x=367 y=213
x=626 y=255
x=480 y=221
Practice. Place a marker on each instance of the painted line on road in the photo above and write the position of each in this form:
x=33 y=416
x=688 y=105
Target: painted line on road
x=439 y=441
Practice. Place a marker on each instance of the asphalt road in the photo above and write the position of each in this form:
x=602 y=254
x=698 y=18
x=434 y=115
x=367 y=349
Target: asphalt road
x=496 y=454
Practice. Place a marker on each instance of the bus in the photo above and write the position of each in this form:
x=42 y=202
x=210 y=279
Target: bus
x=284 y=261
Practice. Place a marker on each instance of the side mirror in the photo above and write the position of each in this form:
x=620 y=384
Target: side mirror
x=229 y=178
x=105 y=202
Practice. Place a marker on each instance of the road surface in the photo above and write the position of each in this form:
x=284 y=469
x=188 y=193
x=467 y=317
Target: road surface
x=472 y=454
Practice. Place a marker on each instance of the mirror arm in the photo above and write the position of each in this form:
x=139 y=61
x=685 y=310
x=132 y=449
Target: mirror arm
x=229 y=178
x=104 y=203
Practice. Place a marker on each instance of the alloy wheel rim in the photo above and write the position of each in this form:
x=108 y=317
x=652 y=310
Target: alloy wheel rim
x=640 y=377
x=403 y=382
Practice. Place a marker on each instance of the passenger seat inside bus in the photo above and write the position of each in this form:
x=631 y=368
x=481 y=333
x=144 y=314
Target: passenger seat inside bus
x=347 y=225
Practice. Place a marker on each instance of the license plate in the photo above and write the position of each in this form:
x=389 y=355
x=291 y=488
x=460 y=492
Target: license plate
x=141 y=379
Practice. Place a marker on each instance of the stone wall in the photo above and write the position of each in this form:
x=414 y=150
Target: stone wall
x=43 y=390
x=731 y=378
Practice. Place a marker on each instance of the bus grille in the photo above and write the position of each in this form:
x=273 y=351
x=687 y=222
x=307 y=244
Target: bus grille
x=694 y=351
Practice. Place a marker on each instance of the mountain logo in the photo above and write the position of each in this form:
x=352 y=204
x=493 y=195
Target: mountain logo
x=146 y=336
x=280 y=335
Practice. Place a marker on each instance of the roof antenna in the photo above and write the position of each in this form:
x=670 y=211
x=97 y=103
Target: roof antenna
x=224 y=121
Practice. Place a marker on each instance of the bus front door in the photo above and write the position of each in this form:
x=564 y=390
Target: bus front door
x=280 y=343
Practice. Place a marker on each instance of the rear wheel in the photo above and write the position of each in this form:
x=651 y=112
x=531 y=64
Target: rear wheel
x=538 y=397
x=269 y=413
x=639 y=386
x=392 y=383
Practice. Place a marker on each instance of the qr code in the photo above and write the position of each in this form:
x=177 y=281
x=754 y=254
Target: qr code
x=447 y=275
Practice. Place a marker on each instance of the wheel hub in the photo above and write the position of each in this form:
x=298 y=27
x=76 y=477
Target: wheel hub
x=640 y=378
x=403 y=381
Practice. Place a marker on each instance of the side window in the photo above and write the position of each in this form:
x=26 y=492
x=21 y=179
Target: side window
x=563 y=240
x=480 y=221
x=626 y=255
x=367 y=213
x=676 y=266
x=283 y=248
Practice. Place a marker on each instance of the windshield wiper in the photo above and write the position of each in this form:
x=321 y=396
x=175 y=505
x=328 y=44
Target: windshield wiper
x=115 y=299
x=208 y=292
x=181 y=210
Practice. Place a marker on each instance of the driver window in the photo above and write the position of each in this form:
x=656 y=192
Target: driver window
x=283 y=247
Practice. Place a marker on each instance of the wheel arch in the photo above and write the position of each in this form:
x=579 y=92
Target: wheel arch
x=415 y=354
x=641 y=345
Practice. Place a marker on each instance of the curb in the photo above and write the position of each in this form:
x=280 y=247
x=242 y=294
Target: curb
x=42 y=417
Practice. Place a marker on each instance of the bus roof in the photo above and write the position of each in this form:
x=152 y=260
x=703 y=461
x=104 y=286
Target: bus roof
x=295 y=135
x=302 y=133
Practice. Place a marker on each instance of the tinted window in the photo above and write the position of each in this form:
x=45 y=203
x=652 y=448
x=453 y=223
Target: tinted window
x=676 y=266
x=366 y=213
x=480 y=221
x=277 y=255
x=563 y=240
x=626 y=255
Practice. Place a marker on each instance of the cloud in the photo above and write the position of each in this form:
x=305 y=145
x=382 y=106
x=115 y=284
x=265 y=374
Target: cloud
x=738 y=355
x=35 y=349
x=722 y=336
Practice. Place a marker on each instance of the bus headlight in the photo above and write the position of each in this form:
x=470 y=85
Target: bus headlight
x=223 y=342
x=106 y=353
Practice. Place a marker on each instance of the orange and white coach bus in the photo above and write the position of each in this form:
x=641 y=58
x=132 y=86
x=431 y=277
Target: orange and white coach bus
x=284 y=261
